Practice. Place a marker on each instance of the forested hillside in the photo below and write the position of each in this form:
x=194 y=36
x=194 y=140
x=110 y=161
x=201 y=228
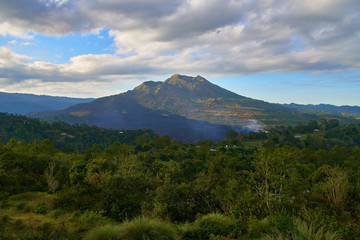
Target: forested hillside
x=298 y=182
x=64 y=136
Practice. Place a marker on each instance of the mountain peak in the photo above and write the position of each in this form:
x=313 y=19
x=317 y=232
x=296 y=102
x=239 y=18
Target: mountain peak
x=179 y=77
x=181 y=86
x=147 y=87
x=199 y=78
x=176 y=78
x=187 y=82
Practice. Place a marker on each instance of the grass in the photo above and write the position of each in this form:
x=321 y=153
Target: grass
x=304 y=231
x=106 y=232
x=25 y=207
x=19 y=219
x=141 y=228
x=32 y=215
x=29 y=201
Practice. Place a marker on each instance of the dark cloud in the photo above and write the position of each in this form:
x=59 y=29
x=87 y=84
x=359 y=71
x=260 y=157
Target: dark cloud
x=133 y=9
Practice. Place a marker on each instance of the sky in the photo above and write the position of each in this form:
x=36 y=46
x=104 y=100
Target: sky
x=280 y=51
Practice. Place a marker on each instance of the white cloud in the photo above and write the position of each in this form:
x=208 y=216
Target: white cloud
x=90 y=89
x=10 y=59
x=162 y=37
x=26 y=43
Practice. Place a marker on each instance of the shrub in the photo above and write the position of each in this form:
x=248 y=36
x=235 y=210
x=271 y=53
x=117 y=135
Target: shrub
x=21 y=206
x=19 y=225
x=307 y=231
x=106 y=232
x=304 y=231
x=149 y=229
x=5 y=203
x=211 y=225
x=91 y=217
x=138 y=229
x=83 y=221
x=40 y=208
x=271 y=224
x=45 y=230
x=56 y=213
x=6 y=218
x=119 y=213
x=217 y=224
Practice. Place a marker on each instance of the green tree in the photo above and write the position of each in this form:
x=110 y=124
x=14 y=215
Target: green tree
x=333 y=185
x=50 y=177
x=77 y=172
x=272 y=171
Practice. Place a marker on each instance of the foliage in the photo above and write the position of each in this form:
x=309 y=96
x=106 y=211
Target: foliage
x=246 y=187
x=214 y=224
x=64 y=136
x=40 y=208
x=106 y=232
x=138 y=229
x=144 y=228
x=304 y=231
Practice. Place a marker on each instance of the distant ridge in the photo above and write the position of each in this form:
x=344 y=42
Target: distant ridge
x=22 y=103
x=326 y=108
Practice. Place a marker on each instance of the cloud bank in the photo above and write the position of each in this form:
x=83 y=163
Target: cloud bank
x=161 y=37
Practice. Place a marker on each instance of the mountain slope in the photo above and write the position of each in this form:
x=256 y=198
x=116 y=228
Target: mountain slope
x=187 y=108
x=122 y=112
x=198 y=99
x=21 y=103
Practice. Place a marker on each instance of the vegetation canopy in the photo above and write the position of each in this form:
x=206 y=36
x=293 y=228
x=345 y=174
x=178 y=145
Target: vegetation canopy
x=300 y=182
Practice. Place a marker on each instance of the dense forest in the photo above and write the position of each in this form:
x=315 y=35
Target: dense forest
x=66 y=137
x=300 y=182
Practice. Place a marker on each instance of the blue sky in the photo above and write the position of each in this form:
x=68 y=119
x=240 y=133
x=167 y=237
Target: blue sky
x=301 y=88
x=60 y=49
x=279 y=51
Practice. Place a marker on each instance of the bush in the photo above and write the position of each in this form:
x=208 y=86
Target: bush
x=44 y=231
x=19 y=225
x=5 y=203
x=40 y=208
x=119 y=213
x=138 y=229
x=21 y=205
x=150 y=229
x=56 y=213
x=304 y=231
x=91 y=217
x=107 y=232
x=307 y=231
x=6 y=218
x=270 y=224
x=212 y=225
x=83 y=221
